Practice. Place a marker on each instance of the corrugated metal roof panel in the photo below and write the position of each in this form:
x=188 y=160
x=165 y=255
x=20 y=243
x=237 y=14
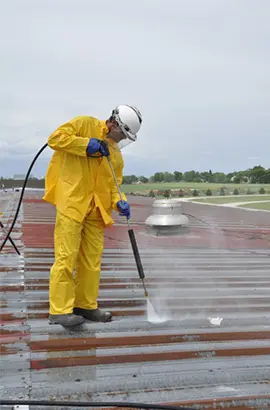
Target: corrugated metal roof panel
x=189 y=359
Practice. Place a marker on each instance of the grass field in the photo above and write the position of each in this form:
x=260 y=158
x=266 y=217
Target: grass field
x=202 y=187
x=262 y=205
x=236 y=198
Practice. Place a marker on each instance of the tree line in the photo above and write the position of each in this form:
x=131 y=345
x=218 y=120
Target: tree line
x=255 y=175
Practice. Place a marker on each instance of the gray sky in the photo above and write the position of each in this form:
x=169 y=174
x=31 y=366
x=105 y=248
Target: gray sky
x=198 y=70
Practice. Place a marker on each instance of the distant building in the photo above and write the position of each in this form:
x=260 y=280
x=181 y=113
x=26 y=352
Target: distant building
x=20 y=177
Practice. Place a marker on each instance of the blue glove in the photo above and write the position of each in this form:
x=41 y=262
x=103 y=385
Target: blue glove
x=96 y=145
x=124 y=208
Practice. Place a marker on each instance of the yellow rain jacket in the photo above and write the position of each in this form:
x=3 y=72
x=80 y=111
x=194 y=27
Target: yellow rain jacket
x=74 y=179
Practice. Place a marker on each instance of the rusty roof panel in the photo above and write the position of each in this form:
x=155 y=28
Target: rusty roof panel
x=198 y=278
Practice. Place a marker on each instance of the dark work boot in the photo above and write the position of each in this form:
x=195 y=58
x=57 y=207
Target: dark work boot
x=95 y=315
x=66 y=320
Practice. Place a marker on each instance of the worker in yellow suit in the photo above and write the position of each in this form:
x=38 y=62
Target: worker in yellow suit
x=79 y=182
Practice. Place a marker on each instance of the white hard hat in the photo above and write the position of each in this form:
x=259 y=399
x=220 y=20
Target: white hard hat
x=129 y=120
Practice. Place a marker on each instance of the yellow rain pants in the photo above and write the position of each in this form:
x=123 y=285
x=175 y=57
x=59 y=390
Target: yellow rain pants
x=83 y=190
x=78 y=246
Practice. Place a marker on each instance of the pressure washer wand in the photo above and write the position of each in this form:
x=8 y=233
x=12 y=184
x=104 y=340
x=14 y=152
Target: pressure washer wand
x=131 y=235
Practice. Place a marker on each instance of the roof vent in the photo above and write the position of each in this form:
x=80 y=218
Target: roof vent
x=167 y=218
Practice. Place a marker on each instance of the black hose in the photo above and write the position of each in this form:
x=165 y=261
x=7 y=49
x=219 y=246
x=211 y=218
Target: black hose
x=21 y=197
x=91 y=404
x=10 y=240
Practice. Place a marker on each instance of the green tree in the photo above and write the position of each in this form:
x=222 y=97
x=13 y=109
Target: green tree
x=181 y=193
x=267 y=176
x=205 y=176
x=168 y=177
x=158 y=177
x=230 y=176
x=236 y=191
x=208 y=192
x=237 y=179
x=219 y=177
x=143 y=179
x=211 y=176
x=243 y=176
x=190 y=176
x=167 y=193
x=130 y=179
x=178 y=176
x=222 y=191
x=258 y=174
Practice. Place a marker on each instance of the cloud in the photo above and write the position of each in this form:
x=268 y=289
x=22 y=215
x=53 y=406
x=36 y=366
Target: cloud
x=198 y=71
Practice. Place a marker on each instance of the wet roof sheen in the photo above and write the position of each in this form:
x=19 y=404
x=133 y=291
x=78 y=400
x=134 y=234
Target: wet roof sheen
x=198 y=278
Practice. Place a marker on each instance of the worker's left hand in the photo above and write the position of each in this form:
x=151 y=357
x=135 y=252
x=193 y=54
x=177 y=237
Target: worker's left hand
x=124 y=208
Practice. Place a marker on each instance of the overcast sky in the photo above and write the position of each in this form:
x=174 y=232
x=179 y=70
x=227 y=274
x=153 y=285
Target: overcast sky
x=198 y=70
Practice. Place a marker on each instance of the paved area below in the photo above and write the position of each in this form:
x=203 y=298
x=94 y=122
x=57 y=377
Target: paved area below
x=239 y=204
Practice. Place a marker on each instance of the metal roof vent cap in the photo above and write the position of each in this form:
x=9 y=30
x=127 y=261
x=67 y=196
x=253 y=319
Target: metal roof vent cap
x=167 y=217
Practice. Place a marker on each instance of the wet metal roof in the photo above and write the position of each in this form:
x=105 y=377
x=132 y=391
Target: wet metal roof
x=212 y=281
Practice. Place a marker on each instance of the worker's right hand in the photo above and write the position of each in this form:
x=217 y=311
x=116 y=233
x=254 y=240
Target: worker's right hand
x=96 y=145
